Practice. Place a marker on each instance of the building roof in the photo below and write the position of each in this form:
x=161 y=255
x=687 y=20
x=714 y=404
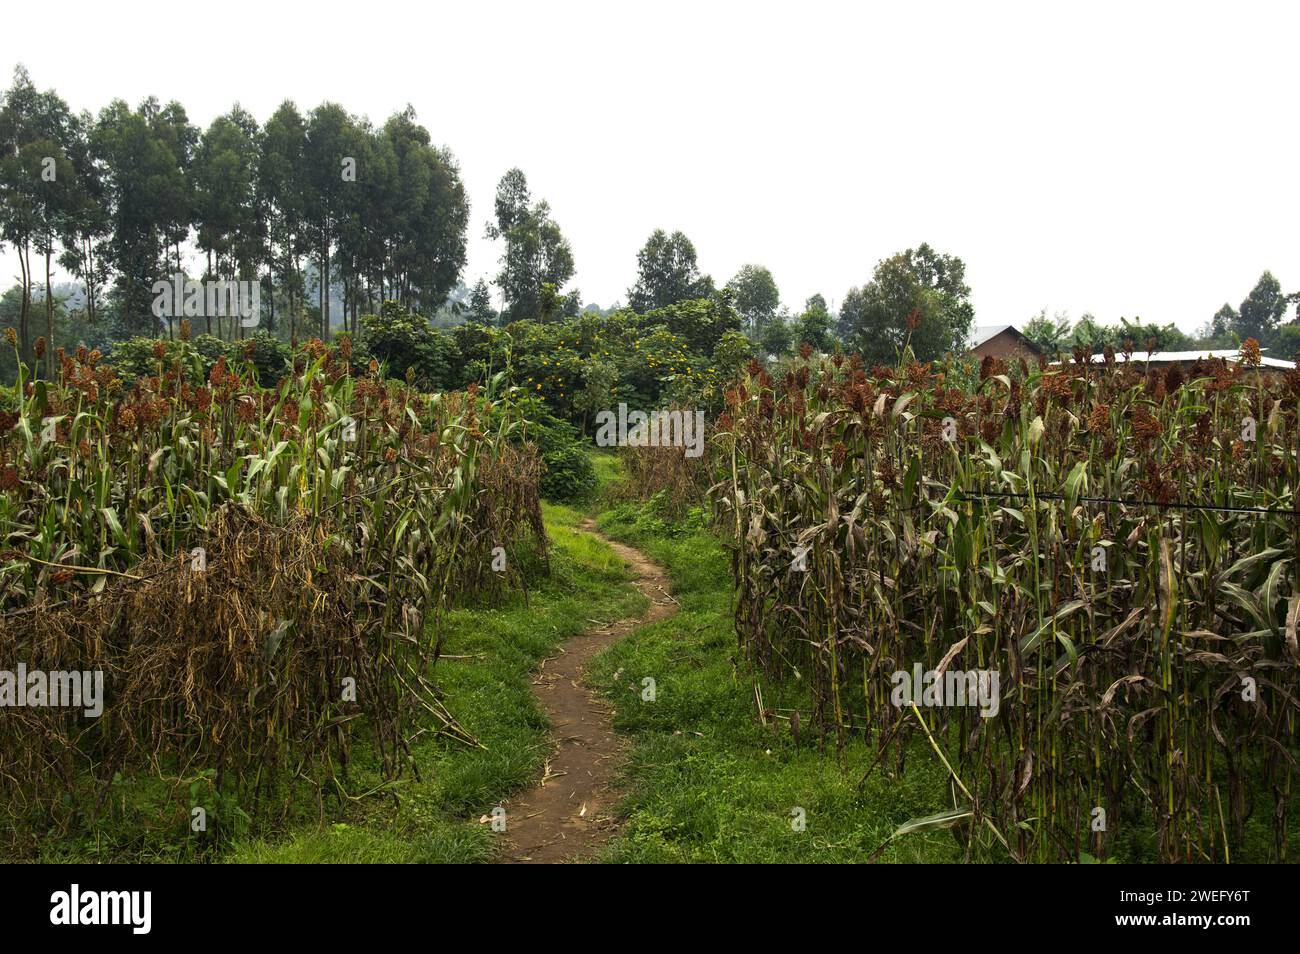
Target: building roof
x=1170 y=357
x=982 y=333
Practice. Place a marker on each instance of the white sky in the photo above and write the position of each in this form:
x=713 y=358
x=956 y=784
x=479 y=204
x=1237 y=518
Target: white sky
x=1119 y=158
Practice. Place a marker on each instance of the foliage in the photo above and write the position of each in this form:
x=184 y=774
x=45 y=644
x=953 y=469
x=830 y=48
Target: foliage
x=667 y=272
x=699 y=322
x=777 y=336
x=814 y=325
x=410 y=349
x=756 y=295
x=917 y=298
x=536 y=252
x=132 y=185
x=1262 y=309
x=568 y=475
x=1050 y=335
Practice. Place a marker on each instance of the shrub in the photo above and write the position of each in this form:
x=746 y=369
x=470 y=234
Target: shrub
x=269 y=357
x=567 y=474
x=410 y=349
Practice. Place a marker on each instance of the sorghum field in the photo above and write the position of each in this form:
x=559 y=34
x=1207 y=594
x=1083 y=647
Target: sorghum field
x=258 y=568
x=680 y=433
x=1118 y=544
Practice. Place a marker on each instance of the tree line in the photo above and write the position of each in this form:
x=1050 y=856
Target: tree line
x=113 y=199
x=325 y=208
x=1261 y=315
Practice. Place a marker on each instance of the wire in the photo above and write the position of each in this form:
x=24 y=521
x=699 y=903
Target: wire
x=1175 y=505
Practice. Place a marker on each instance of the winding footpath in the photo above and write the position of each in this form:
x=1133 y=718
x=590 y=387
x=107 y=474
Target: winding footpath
x=570 y=812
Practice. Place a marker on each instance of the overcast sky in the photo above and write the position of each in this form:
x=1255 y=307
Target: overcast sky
x=1120 y=159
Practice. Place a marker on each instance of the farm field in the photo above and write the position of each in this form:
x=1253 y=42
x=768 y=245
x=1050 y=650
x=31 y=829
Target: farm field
x=772 y=729
x=601 y=436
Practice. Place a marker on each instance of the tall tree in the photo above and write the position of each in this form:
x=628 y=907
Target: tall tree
x=148 y=200
x=1222 y=324
x=85 y=227
x=757 y=297
x=667 y=272
x=877 y=318
x=1260 y=313
x=55 y=197
x=536 y=252
x=176 y=197
x=281 y=196
x=330 y=166
x=430 y=214
x=369 y=218
x=480 y=305
x=814 y=325
x=225 y=199
x=37 y=131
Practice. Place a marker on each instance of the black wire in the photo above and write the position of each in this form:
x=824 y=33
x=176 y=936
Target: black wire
x=1176 y=505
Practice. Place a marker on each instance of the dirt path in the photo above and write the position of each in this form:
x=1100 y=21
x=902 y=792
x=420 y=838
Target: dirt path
x=569 y=813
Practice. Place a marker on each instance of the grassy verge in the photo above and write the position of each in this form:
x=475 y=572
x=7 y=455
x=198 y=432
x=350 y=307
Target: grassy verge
x=707 y=782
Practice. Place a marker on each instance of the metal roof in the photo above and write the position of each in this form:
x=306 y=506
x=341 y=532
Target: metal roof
x=1159 y=357
x=982 y=333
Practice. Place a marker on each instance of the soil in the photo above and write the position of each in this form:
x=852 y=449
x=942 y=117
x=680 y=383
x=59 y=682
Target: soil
x=569 y=813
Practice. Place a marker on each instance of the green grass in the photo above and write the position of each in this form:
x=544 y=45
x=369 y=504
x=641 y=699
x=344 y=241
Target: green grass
x=707 y=782
x=445 y=842
x=606 y=465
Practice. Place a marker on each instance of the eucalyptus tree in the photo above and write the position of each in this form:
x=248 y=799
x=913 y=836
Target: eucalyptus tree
x=36 y=187
x=1261 y=310
x=146 y=195
x=224 y=174
x=85 y=224
x=175 y=195
x=17 y=201
x=536 y=251
x=757 y=297
x=54 y=187
x=281 y=198
x=427 y=244
x=329 y=168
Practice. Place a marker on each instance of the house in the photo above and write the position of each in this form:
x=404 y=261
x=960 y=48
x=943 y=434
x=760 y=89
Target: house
x=1000 y=341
